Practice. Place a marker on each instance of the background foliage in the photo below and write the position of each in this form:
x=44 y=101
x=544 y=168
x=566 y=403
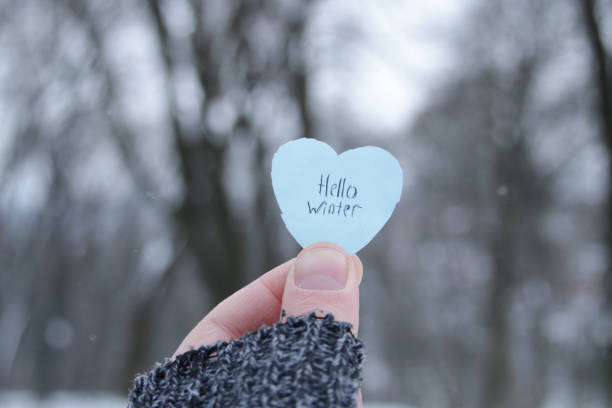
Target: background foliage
x=135 y=145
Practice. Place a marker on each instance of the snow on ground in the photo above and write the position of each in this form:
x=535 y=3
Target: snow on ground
x=62 y=399
x=26 y=399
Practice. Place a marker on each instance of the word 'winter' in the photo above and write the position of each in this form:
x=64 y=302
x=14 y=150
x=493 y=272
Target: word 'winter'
x=338 y=190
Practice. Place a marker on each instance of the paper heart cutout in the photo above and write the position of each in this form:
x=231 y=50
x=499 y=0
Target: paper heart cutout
x=344 y=199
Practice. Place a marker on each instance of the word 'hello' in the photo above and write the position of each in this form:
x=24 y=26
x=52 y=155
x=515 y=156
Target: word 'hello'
x=339 y=190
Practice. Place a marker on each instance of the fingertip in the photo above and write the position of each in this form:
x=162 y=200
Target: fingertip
x=324 y=277
x=357 y=270
x=354 y=264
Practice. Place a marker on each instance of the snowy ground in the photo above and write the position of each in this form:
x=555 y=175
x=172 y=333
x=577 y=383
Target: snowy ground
x=25 y=399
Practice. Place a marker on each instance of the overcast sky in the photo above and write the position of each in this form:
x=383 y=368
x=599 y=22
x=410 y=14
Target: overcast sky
x=384 y=75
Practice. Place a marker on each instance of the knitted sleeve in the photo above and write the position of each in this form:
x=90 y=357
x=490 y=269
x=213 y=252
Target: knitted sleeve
x=306 y=361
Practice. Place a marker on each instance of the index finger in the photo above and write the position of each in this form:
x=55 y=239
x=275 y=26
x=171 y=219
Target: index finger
x=246 y=310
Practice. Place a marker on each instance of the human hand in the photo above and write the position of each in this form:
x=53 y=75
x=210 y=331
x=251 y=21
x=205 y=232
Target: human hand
x=323 y=277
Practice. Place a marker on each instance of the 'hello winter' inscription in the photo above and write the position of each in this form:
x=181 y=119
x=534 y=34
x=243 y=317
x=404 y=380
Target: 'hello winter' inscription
x=341 y=198
x=338 y=198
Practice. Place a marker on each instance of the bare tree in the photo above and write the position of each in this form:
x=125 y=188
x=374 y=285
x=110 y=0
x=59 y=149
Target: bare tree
x=602 y=79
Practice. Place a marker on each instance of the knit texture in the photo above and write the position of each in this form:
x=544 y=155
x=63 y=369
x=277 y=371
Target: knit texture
x=307 y=361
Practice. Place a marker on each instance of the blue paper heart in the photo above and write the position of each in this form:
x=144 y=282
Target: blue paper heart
x=344 y=199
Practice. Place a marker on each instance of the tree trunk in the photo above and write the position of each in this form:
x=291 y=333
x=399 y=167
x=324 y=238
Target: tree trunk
x=603 y=82
x=204 y=214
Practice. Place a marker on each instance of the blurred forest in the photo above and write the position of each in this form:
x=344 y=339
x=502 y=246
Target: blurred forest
x=135 y=147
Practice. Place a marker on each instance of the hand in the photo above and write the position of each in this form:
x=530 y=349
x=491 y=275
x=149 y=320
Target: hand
x=323 y=277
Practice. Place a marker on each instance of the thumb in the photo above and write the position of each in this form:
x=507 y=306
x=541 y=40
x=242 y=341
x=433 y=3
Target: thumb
x=324 y=279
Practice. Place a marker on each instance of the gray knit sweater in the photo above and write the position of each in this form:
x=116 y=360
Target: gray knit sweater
x=306 y=361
